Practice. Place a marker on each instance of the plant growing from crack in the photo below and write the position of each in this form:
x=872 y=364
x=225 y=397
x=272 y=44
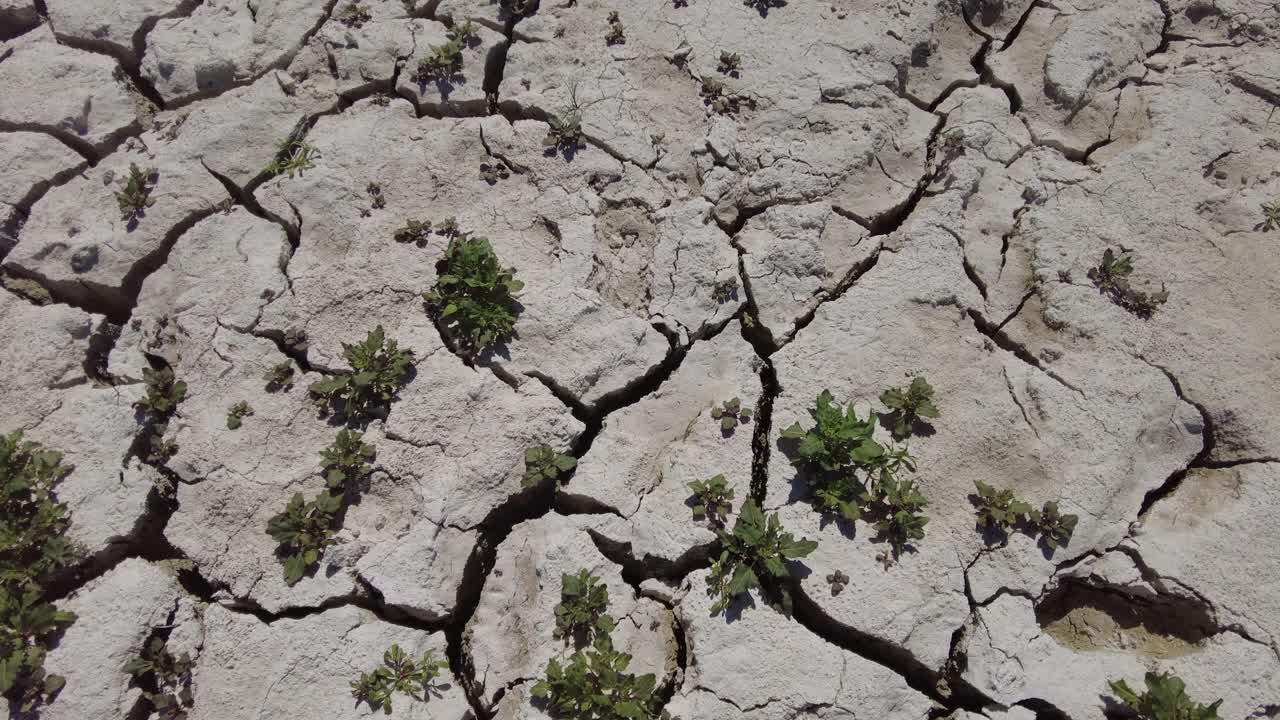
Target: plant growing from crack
x=712 y=500
x=347 y=461
x=170 y=675
x=1270 y=216
x=414 y=231
x=293 y=155
x=280 y=376
x=474 y=296
x=593 y=684
x=378 y=369
x=399 y=673
x=236 y=414
x=730 y=413
x=134 y=195
x=565 y=132
x=753 y=554
x=164 y=393
x=910 y=405
x=1165 y=698
x=725 y=290
x=303 y=530
x=901 y=520
x=617 y=34
x=33 y=546
x=730 y=63
x=1111 y=277
x=999 y=510
x=581 y=614
x=354 y=15
x=440 y=62
x=542 y=464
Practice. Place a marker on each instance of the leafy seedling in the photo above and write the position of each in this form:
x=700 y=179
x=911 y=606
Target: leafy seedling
x=280 y=376
x=293 y=156
x=414 y=232
x=1270 y=216
x=1111 y=277
x=376 y=199
x=304 y=530
x=134 y=195
x=617 y=34
x=725 y=290
x=441 y=62
x=757 y=548
x=730 y=413
x=837 y=580
x=164 y=392
x=27 y=626
x=399 y=674
x=543 y=464
x=159 y=447
x=565 y=133
x=730 y=63
x=378 y=368
x=1165 y=698
x=1055 y=528
x=712 y=499
x=593 y=685
x=910 y=405
x=902 y=520
x=464 y=32
x=999 y=510
x=581 y=614
x=32 y=521
x=348 y=460
x=473 y=298
x=354 y=15
x=236 y=414
x=716 y=95
x=493 y=172
x=169 y=674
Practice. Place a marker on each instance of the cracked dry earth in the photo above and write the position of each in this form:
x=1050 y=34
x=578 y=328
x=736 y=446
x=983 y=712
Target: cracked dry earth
x=908 y=187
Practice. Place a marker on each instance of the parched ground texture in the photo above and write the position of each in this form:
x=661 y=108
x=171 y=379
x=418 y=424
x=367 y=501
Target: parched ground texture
x=886 y=189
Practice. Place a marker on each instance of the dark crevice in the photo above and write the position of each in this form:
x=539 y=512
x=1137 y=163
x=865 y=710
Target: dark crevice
x=80 y=147
x=1021 y=303
x=126 y=63
x=636 y=570
x=850 y=277
x=760 y=445
x=1008 y=344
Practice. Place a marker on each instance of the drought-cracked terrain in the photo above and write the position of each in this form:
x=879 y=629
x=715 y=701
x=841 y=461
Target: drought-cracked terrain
x=1064 y=214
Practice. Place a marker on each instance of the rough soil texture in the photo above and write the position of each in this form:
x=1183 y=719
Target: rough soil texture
x=875 y=191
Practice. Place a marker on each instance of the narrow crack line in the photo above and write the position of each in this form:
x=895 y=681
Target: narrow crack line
x=1208 y=443
x=1008 y=344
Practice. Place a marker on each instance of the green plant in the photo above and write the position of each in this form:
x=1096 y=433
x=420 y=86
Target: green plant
x=170 y=675
x=378 y=367
x=1164 y=699
x=293 y=155
x=1055 y=528
x=999 y=509
x=354 y=15
x=347 y=460
x=441 y=62
x=712 y=499
x=910 y=405
x=581 y=613
x=730 y=413
x=414 y=232
x=473 y=298
x=757 y=547
x=543 y=464
x=160 y=448
x=32 y=521
x=730 y=63
x=716 y=95
x=134 y=195
x=464 y=32
x=236 y=413
x=27 y=625
x=164 y=392
x=565 y=132
x=1111 y=277
x=837 y=580
x=1270 y=215
x=593 y=684
x=304 y=530
x=280 y=376
x=725 y=290
x=616 y=35
x=901 y=520
x=399 y=674
x=377 y=200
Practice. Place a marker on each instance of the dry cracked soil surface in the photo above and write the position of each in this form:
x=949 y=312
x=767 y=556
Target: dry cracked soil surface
x=767 y=199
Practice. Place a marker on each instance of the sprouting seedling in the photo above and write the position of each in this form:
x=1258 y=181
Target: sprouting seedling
x=1165 y=698
x=999 y=509
x=730 y=413
x=593 y=684
x=236 y=414
x=493 y=172
x=378 y=368
x=712 y=500
x=543 y=464
x=293 y=156
x=1271 y=215
x=757 y=548
x=164 y=392
x=354 y=15
x=441 y=62
x=1055 y=528
x=902 y=520
x=730 y=63
x=399 y=673
x=1111 y=277
x=565 y=132
x=474 y=295
x=725 y=290
x=837 y=580
x=617 y=34
x=581 y=614
x=304 y=530
x=376 y=199
x=716 y=95
x=414 y=231
x=171 y=676
x=279 y=376
x=464 y=32
x=910 y=405
x=348 y=460
x=134 y=195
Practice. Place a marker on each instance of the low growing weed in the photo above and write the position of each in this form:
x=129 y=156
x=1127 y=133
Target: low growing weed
x=236 y=414
x=730 y=413
x=712 y=500
x=1270 y=216
x=1000 y=511
x=279 y=376
x=581 y=614
x=474 y=296
x=378 y=369
x=293 y=155
x=910 y=405
x=1111 y=277
x=164 y=393
x=543 y=464
x=399 y=673
x=156 y=667
x=304 y=530
x=134 y=195
x=354 y=15
x=757 y=548
x=617 y=34
x=1165 y=698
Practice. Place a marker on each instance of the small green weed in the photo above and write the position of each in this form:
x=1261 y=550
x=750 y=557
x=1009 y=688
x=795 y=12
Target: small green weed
x=156 y=667
x=900 y=518
x=581 y=614
x=593 y=685
x=354 y=15
x=348 y=460
x=378 y=368
x=236 y=414
x=543 y=464
x=756 y=548
x=730 y=413
x=1164 y=699
x=399 y=674
x=134 y=195
x=1111 y=277
x=280 y=376
x=617 y=34
x=712 y=500
x=910 y=405
x=1270 y=216
x=999 y=510
x=293 y=155
x=304 y=530
x=730 y=63
x=473 y=298
x=1055 y=528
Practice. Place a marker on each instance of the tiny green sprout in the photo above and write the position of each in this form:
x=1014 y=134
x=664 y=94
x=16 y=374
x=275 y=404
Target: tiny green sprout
x=464 y=32
x=902 y=520
x=565 y=132
x=616 y=35
x=279 y=376
x=1271 y=215
x=712 y=500
x=348 y=460
x=474 y=295
x=999 y=509
x=716 y=95
x=593 y=684
x=415 y=232
x=443 y=60
x=354 y=15
x=171 y=676
x=1111 y=277
x=449 y=228
x=293 y=156
x=730 y=413
x=757 y=548
x=375 y=194
x=581 y=615
x=543 y=464
x=304 y=530
x=837 y=580
x=399 y=674
x=730 y=63
x=910 y=405
x=1164 y=699
x=725 y=290
x=134 y=196
x=236 y=414
x=493 y=172
x=163 y=393
x=1055 y=528
x=378 y=368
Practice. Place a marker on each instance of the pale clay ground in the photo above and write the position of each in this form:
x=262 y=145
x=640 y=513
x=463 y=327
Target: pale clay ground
x=907 y=187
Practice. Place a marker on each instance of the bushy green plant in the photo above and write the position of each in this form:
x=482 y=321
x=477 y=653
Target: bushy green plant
x=399 y=674
x=565 y=132
x=617 y=34
x=349 y=459
x=464 y=32
x=1270 y=215
x=910 y=405
x=543 y=464
x=593 y=684
x=1111 y=277
x=279 y=376
x=901 y=519
x=354 y=15
x=440 y=62
x=164 y=392
x=169 y=674
x=134 y=195
x=378 y=368
x=999 y=509
x=581 y=613
x=293 y=155
x=756 y=548
x=1055 y=528
x=712 y=499
x=730 y=413
x=236 y=414
x=27 y=625
x=1164 y=699
x=473 y=298
x=304 y=530
x=32 y=521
